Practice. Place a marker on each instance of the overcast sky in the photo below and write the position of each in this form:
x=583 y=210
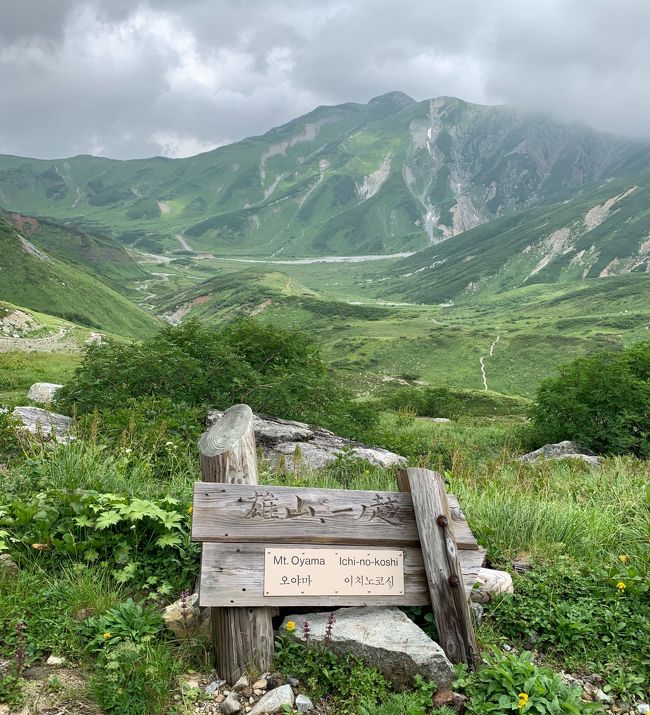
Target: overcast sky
x=126 y=79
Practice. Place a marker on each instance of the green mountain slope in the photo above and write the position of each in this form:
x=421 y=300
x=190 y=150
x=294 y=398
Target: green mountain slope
x=598 y=234
x=32 y=278
x=383 y=177
x=96 y=254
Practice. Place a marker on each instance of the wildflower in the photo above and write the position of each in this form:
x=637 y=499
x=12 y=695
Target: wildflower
x=523 y=700
x=306 y=630
x=291 y=626
x=128 y=450
x=329 y=628
x=620 y=586
x=107 y=635
x=624 y=558
x=190 y=509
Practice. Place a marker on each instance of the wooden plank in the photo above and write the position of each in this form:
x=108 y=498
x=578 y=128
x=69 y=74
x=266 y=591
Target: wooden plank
x=243 y=513
x=462 y=533
x=242 y=637
x=233 y=575
x=442 y=565
x=273 y=514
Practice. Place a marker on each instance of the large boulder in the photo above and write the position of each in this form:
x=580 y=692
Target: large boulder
x=49 y=426
x=561 y=450
x=43 y=392
x=384 y=638
x=275 y=701
x=296 y=444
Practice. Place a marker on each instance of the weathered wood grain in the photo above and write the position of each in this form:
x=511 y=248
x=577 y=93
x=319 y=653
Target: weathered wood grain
x=442 y=565
x=233 y=575
x=270 y=514
x=243 y=637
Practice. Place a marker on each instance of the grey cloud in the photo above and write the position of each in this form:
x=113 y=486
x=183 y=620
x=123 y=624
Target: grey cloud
x=128 y=79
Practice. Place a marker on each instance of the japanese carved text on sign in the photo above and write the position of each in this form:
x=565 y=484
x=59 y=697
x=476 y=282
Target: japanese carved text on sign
x=330 y=572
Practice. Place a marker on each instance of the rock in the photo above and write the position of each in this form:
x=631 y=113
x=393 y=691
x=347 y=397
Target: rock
x=477 y=612
x=275 y=701
x=231 y=704
x=384 y=638
x=601 y=696
x=241 y=684
x=643 y=708
x=260 y=684
x=561 y=450
x=491 y=583
x=297 y=444
x=211 y=688
x=55 y=661
x=51 y=426
x=183 y=622
x=450 y=699
x=293 y=682
x=8 y=567
x=522 y=563
x=43 y=392
x=303 y=704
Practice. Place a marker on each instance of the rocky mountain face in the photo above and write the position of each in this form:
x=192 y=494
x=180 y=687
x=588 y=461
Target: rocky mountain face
x=389 y=176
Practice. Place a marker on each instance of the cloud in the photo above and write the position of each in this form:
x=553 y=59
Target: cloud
x=173 y=77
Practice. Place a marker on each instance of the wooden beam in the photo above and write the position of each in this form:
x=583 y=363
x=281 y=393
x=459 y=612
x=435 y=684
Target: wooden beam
x=442 y=565
x=243 y=637
x=239 y=513
x=233 y=574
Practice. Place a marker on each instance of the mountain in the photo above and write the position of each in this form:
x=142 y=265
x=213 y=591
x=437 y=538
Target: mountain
x=31 y=277
x=388 y=176
x=597 y=234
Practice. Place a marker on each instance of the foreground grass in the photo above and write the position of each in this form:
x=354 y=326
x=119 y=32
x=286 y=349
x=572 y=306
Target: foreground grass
x=100 y=506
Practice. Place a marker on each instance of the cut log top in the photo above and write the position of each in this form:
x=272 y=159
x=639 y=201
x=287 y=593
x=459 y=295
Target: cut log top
x=226 y=432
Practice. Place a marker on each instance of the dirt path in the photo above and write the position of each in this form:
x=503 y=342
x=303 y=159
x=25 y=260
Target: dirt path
x=482 y=362
x=49 y=344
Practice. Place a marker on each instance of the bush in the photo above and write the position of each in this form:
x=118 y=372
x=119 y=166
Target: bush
x=276 y=371
x=602 y=402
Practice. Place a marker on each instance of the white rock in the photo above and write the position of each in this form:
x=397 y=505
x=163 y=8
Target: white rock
x=51 y=426
x=241 y=684
x=43 y=392
x=304 y=704
x=275 y=701
x=562 y=450
x=384 y=638
x=643 y=708
x=55 y=661
x=491 y=582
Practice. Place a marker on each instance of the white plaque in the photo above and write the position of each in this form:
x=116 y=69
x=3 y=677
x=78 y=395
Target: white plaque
x=331 y=572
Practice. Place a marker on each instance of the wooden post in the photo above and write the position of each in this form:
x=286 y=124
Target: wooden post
x=448 y=598
x=242 y=637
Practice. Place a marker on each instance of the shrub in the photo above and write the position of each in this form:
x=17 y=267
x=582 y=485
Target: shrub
x=601 y=402
x=275 y=370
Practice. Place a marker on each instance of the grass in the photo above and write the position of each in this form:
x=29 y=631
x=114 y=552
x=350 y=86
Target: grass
x=20 y=370
x=571 y=520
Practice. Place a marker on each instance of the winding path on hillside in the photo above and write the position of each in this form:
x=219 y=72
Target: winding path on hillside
x=482 y=362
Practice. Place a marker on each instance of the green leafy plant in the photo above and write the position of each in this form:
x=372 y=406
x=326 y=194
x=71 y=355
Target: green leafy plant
x=129 y=621
x=507 y=683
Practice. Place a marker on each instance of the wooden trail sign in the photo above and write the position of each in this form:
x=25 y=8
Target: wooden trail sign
x=285 y=546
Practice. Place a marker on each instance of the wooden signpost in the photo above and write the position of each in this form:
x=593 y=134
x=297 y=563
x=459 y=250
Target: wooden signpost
x=269 y=546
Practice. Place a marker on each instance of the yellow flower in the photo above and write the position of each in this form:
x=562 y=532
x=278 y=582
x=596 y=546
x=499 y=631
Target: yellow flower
x=624 y=558
x=190 y=509
x=291 y=626
x=620 y=586
x=523 y=699
x=107 y=635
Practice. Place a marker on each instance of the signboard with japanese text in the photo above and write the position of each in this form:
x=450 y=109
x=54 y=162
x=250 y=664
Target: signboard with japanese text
x=331 y=572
